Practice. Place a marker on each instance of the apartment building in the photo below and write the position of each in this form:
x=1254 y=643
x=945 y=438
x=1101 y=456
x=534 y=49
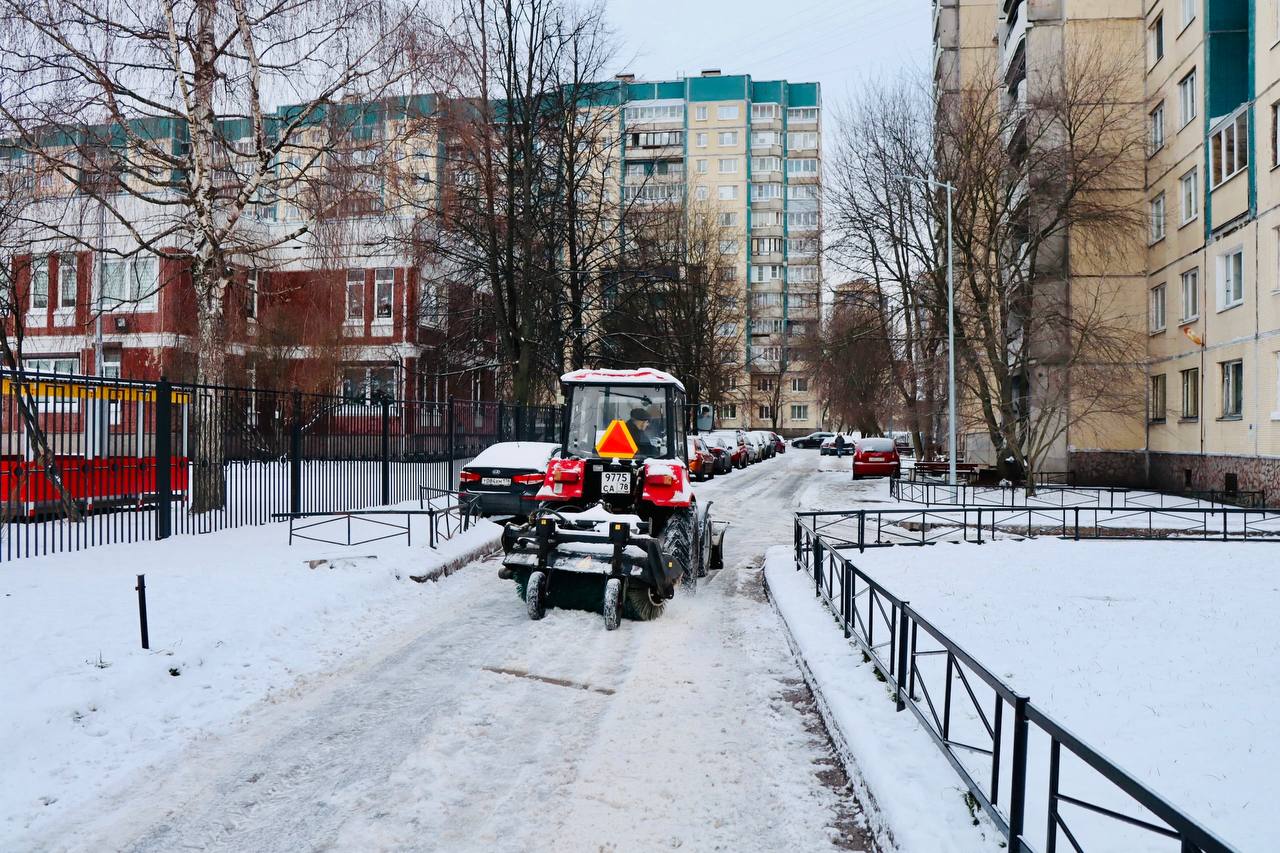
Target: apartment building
x=1210 y=271
x=752 y=149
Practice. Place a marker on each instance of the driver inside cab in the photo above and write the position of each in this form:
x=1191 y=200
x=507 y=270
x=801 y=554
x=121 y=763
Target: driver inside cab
x=638 y=426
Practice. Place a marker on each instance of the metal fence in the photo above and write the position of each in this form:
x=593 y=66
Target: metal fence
x=145 y=460
x=878 y=528
x=929 y=490
x=1022 y=768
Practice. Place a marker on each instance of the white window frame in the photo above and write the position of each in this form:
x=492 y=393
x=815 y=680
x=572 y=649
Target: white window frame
x=802 y=140
x=1187 y=106
x=728 y=219
x=766 y=191
x=1155 y=41
x=251 y=295
x=1155 y=125
x=728 y=166
x=1188 y=12
x=1159 y=398
x=727 y=138
x=764 y=112
x=700 y=113
x=764 y=138
x=702 y=193
x=727 y=192
x=1189 y=195
x=799 y=412
x=1231 y=279
x=803 y=166
x=1190 y=294
x=1232 y=389
x=384 y=292
x=134 y=294
x=1228 y=147
x=1275 y=414
x=702 y=166
x=701 y=140
x=39 y=298
x=1156 y=216
x=799 y=384
x=728 y=112
x=1190 y=381
x=67 y=283
x=1157 y=303
x=355 y=279
x=802 y=115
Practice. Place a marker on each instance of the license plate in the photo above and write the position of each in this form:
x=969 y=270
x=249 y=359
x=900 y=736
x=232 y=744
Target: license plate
x=615 y=483
x=495 y=481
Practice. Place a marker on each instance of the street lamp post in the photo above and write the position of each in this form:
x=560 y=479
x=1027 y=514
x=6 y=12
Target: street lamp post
x=951 y=330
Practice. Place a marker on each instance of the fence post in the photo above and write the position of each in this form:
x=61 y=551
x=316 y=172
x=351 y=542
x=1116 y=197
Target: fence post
x=164 y=459
x=519 y=422
x=450 y=440
x=846 y=597
x=501 y=421
x=817 y=563
x=1018 y=784
x=142 y=610
x=386 y=452
x=295 y=455
x=902 y=653
x=795 y=529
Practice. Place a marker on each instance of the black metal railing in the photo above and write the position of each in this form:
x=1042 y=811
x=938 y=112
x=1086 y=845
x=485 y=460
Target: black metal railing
x=935 y=491
x=878 y=528
x=1008 y=751
x=138 y=461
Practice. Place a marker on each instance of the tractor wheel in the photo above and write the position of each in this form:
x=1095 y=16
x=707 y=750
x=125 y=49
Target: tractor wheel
x=535 y=595
x=612 y=604
x=677 y=543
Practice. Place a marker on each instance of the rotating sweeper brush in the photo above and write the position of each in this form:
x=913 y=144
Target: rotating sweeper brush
x=618 y=529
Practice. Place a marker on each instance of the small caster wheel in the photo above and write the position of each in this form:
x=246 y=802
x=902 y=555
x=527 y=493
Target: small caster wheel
x=535 y=595
x=612 y=604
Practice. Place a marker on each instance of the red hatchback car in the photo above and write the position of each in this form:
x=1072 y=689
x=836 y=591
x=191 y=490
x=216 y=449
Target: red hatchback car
x=875 y=457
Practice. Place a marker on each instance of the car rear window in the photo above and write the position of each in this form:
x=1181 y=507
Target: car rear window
x=876 y=445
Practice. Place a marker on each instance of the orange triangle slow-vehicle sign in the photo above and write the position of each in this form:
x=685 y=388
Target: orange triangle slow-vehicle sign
x=616 y=442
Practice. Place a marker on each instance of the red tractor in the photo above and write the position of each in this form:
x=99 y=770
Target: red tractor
x=617 y=527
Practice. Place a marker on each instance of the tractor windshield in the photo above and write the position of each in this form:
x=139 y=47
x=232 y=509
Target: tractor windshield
x=643 y=408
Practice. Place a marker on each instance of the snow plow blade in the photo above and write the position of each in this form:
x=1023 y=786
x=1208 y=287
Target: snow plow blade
x=550 y=545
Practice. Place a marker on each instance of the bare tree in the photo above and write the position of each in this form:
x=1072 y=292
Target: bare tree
x=162 y=114
x=850 y=360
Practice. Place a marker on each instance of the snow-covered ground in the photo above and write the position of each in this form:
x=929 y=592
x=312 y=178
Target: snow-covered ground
x=1162 y=655
x=345 y=707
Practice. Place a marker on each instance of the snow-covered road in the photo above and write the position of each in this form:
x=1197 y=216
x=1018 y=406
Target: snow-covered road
x=478 y=729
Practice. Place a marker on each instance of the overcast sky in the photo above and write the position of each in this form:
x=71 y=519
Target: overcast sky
x=833 y=42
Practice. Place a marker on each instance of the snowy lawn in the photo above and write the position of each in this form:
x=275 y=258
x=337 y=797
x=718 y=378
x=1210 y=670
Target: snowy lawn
x=1162 y=655
x=235 y=617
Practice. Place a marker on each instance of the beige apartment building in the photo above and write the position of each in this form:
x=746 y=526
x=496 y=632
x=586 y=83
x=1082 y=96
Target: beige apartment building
x=1210 y=273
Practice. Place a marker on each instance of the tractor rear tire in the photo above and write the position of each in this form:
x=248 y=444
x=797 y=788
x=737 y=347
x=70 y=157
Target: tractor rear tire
x=612 y=609
x=677 y=544
x=535 y=595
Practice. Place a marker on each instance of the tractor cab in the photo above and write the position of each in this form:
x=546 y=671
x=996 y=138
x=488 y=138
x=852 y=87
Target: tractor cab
x=617 y=527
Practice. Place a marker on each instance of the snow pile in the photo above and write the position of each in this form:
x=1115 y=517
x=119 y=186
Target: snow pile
x=530 y=455
x=235 y=617
x=1161 y=655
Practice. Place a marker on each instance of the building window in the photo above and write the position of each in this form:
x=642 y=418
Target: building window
x=133 y=282
x=765 y=383
x=728 y=220
x=1190 y=295
x=1187 y=99
x=1157 y=308
x=728 y=165
x=728 y=411
x=1155 y=40
x=1275 y=126
x=1275 y=415
x=1155 y=124
x=383 y=290
x=799 y=412
x=805 y=167
x=59 y=364
x=802 y=141
x=1188 y=189
x=67 y=281
x=368 y=385
x=802 y=246
x=40 y=284
x=702 y=193
x=766 y=245
x=1229 y=148
x=700 y=113
x=766 y=413
x=355 y=295
x=764 y=112
x=1158 y=400
x=1157 y=218
x=766 y=192
x=802 y=115
x=111 y=364
x=761 y=273
x=728 y=247
x=1231 y=279
x=800 y=384
x=727 y=113
x=702 y=140
x=728 y=192
x=1232 y=388
x=727 y=137
x=1191 y=393
x=702 y=167
x=764 y=139
x=251 y=294
x=655 y=112
x=1188 y=11
x=805 y=273
x=803 y=219
x=766 y=164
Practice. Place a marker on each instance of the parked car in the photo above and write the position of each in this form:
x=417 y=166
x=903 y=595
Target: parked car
x=875 y=457
x=737 y=444
x=753 y=447
x=766 y=444
x=779 y=446
x=812 y=440
x=829 y=447
x=505 y=478
x=702 y=464
x=719 y=446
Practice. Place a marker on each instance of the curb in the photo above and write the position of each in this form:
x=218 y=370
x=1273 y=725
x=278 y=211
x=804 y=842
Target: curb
x=479 y=552
x=876 y=820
